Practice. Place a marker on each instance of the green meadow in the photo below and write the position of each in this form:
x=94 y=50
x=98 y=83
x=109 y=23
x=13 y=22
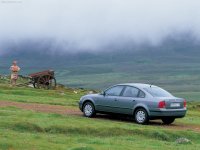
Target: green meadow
x=25 y=129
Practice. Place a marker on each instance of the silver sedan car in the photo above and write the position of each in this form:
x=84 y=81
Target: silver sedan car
x=142 y=101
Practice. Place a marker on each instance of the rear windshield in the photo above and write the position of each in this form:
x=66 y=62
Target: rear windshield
x=157 y=92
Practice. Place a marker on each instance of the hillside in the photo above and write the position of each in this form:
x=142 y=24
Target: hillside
x=174 y=64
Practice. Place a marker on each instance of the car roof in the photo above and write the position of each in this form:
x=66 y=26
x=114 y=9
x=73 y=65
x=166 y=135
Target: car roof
x=138 y=85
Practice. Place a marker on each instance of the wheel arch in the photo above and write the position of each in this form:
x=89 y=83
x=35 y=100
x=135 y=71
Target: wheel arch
x=143 y=107
x=87 y=100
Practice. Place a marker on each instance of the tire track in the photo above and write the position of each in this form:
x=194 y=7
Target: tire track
x=46 y=108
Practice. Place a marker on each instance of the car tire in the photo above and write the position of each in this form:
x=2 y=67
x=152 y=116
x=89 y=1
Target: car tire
x=168 y=120
x=141 y=116
x=89 y=110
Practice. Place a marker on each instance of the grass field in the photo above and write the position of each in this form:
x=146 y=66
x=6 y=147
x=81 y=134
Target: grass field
x=21 y=129
x=25 y=129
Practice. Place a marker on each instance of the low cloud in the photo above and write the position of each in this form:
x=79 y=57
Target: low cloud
x=90 y=25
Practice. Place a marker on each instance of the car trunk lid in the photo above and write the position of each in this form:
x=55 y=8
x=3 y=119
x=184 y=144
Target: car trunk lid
x=174 y=103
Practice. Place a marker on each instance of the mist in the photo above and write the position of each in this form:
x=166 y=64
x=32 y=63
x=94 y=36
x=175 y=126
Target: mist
x=88 y=26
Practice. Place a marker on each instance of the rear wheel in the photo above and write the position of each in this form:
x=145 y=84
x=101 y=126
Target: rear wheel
x=168 y=120
x=88 y=110
x=141 y=116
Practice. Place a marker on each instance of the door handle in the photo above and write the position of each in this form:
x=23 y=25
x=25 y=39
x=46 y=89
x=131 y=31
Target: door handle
x=115 y=99
x=133 y=100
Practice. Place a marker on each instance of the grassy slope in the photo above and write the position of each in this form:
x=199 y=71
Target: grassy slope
x=30 y=95
x=20 y=129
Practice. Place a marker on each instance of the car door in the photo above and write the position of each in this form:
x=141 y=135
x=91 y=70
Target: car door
x=130 y=97
x=107 y=101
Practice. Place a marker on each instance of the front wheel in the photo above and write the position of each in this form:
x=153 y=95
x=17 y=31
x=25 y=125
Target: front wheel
x=168 y=120
x=141 y=116
x=88 y=110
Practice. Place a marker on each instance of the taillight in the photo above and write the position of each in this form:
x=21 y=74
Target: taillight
x=184 y=103
x=161 y=104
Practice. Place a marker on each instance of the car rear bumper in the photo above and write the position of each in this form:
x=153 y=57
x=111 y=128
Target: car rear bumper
x=177 y=113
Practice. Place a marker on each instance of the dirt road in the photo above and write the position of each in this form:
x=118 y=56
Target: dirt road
x=42 y=108
x=63 y=110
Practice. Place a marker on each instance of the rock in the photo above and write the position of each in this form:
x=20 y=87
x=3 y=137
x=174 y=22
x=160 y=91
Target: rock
x=31 y=85
x=182 y=141
x=91 y=92
x=62 y=93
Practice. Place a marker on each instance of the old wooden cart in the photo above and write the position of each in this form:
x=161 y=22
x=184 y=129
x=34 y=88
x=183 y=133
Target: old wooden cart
x=44 y=79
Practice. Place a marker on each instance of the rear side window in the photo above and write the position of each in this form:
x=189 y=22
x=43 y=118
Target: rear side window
x=114 y=91
x=141 y=94
x=131 y=92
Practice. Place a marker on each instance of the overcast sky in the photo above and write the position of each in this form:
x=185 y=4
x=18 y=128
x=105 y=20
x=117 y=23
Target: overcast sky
x=92 y=24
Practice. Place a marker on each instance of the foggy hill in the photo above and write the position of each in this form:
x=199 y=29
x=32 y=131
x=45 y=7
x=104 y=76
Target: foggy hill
x=43 y=53
x=173 y=63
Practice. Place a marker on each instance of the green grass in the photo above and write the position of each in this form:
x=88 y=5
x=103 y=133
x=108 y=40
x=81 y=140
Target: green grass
x=61 y=96
x=23 y=129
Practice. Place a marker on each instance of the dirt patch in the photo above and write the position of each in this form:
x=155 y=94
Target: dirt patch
x=43 y=108
x=177 y=126
x=63 y=110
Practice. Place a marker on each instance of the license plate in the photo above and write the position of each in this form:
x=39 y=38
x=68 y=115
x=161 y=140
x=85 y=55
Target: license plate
x=175 y=105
